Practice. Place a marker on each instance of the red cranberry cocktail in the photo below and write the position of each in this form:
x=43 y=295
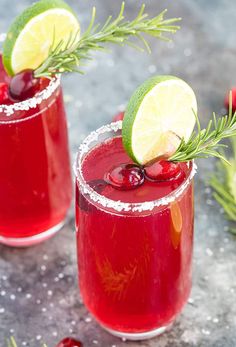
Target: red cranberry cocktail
x=35 y=180
x=134 y=235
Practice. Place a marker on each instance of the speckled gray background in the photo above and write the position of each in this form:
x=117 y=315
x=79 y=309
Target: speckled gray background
x=39 y=298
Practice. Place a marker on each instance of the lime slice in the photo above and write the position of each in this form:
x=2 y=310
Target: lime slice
x=30 y=37
x=159 y=114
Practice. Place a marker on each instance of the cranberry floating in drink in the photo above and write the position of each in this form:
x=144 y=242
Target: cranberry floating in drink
x=162 y=170
x=23 y=85
x=125 y=176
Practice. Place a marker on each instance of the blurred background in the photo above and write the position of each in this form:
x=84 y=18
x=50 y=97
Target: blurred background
x=39 y=299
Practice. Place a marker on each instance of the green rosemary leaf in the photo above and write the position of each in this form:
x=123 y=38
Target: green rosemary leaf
x=117 y=31
x=12 y=343
x=233 y=230
x=206 y=142
x=224 y=187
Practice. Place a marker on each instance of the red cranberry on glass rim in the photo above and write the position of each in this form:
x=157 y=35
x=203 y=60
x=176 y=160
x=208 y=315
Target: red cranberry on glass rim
x=23 y=85
x=162 y=170
x=125 y=176
x=227 y=98
x=69 y=342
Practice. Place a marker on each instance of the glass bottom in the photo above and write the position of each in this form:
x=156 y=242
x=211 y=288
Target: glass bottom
x=139 y=336
x=31 y=240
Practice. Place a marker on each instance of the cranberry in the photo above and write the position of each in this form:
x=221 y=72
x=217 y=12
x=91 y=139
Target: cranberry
x=69 y=342
x=125 y=176
x=23 y=85
x=162 y=170
x=119 y=116
x=3 y=93
x=233 y=100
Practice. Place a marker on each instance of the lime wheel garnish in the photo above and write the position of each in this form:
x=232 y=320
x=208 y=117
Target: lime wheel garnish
x=159 y=114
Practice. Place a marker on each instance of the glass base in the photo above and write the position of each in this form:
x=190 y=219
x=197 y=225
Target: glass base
x=139 y=336
x=31 y=240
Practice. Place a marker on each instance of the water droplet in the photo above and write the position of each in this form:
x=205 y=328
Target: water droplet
x=209 y=252
x=206 y=332
x=88 y=319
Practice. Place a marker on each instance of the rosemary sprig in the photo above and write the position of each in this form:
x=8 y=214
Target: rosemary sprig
x=66 y=57
x=223 y=183
x=12 y=343
x=205 y=142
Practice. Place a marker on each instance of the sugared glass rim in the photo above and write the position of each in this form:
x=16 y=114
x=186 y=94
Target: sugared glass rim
x=120 y=206
x=33 y=102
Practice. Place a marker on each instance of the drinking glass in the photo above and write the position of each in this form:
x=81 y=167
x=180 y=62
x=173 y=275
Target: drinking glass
x=134 y=259
x=35 y=177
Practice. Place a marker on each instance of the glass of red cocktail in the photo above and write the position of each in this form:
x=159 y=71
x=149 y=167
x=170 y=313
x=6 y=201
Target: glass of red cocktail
x=35 y=179
x=134 y=243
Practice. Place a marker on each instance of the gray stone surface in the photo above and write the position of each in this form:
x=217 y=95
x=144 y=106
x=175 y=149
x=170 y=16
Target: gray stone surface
x=39 y=298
